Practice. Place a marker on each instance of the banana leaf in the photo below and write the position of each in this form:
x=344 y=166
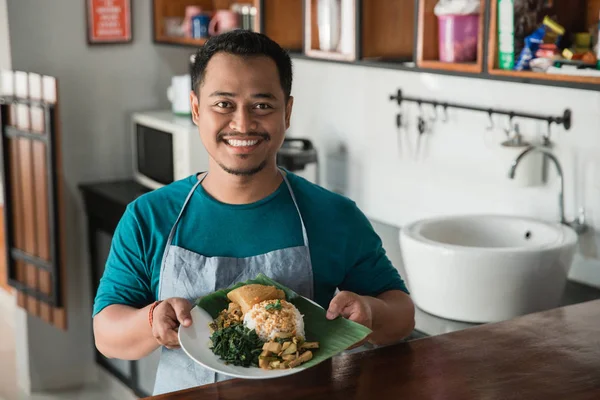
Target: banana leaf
x=334 y=336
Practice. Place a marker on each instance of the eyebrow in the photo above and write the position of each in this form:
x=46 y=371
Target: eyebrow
x=255 y=96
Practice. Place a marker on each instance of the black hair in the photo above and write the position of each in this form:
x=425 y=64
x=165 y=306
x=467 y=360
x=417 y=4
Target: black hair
x=243 y=43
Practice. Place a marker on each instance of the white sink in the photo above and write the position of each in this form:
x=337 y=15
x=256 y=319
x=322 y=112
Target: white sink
x=486 y=268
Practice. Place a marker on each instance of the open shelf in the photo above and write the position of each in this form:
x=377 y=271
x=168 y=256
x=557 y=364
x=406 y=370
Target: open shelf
x=387 y=30
x=343 y=49
x=428 y=55
x=164 y=10
x=573 y=15
x=396 y=34
x=282 y=22
x=181 y=40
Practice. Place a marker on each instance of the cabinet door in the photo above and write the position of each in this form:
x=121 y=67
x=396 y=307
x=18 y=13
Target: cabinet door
x=33 y=200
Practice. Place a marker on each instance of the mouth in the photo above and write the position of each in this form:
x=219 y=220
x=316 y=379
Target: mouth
x=243 y=146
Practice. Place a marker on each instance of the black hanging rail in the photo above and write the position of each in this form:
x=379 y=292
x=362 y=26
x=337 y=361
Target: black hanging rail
x=564 y=120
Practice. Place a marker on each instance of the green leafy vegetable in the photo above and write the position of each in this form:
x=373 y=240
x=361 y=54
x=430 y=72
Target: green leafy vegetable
x=274 y=306
x=237 y=345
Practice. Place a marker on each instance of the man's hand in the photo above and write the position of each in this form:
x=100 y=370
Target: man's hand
x=351 y=306
x=391 y=315
x=167 y=317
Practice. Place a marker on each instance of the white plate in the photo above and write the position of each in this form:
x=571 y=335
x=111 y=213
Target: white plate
x=195 y=341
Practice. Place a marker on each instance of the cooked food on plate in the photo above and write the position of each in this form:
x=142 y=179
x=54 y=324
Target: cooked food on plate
x=260 y=328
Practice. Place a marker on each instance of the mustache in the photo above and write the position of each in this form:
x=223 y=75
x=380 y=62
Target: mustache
x=236 y=135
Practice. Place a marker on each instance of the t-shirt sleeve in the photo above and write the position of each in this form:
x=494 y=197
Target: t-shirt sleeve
x=369 y=270
x=126 y=278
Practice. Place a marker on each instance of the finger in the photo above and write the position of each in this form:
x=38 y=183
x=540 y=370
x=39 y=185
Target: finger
x=167 y=336
x=170 y=339
x=339 y=303
x=182 y=310
x=163 y=329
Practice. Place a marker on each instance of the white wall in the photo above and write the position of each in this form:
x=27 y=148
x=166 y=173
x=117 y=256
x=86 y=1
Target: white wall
x=98 y=87
x=461 y=170
x=4 y=39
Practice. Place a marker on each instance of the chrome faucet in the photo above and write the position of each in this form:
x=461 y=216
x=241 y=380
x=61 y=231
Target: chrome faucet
x=579 y=224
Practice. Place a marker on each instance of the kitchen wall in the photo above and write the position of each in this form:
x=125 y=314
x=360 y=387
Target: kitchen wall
x=99 y=87
x=4 y=39
x=461 y=168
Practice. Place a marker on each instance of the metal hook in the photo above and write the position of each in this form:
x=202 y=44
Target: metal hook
x=510 y=124
x=445 y=119
x=546 y=136
x=491 y=126
x=435 y=114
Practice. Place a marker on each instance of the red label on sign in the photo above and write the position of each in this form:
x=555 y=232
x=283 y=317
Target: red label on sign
x=109 y=20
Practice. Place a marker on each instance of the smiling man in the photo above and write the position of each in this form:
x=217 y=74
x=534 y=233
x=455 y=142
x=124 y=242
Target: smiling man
x=242 y=217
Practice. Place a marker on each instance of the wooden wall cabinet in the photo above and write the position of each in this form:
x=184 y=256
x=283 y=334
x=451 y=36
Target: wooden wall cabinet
x=578 y=15
x=281 y=20
x=428 y=40
x=400 y=34
x=387 y=30
x=374 y=30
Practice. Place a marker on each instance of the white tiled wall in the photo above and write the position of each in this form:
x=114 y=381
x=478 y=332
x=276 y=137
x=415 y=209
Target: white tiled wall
x=462 y=168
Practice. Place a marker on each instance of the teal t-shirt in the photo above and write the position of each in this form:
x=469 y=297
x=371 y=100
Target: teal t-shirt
x=346 y=252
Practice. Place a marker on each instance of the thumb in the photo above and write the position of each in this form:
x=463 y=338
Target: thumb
x=338 y=304
x=182 y=309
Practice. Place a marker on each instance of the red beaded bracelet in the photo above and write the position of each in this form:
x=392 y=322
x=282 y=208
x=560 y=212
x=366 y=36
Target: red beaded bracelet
x=151 y=311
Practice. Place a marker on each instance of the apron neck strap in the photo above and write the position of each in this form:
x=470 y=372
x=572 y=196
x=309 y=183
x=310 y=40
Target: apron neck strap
x=189 y=196
x=287 y=182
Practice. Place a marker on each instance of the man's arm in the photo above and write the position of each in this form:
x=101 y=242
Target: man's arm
x=391 y=315
x=123 y=332
x=372 y=293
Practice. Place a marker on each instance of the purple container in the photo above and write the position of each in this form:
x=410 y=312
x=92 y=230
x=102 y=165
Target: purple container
x=458 y=37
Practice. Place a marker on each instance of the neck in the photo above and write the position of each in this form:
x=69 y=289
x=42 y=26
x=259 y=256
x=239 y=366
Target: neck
x=234 y=189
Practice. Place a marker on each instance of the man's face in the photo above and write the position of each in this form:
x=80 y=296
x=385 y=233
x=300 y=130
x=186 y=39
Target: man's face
x=241 y=112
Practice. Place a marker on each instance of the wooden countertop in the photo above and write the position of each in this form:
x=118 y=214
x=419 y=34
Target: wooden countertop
x=548 y=355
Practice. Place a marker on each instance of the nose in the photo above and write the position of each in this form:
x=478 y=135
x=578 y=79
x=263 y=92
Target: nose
x=243 y=121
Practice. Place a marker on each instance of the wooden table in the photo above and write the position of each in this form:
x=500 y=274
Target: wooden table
x=549 y=355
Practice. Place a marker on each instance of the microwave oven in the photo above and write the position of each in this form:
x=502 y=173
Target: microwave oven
x=166 y=148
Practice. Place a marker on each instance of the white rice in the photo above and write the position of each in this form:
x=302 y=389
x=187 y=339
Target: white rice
x=268 y=323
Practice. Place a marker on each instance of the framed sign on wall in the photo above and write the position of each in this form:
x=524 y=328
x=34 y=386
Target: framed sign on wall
x=108 y=21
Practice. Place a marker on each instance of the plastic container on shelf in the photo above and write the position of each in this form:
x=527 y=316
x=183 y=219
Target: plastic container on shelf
x=458 y=26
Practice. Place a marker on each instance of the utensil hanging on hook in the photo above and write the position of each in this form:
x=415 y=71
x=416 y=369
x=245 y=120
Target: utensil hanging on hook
x=546 y=142
x=510 y=128
x=401 y=133
x=491 y=126
x=421 y=129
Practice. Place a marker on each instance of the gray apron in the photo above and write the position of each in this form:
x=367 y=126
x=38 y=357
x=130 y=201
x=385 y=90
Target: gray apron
x=191 y=275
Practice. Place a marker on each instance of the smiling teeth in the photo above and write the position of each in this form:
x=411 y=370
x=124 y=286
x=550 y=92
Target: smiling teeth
x=242 y=143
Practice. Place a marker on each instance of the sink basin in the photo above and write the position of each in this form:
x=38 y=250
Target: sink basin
x=486 y=268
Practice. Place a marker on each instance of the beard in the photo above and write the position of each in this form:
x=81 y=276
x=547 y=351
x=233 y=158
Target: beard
x=248 y=171
x=244 y=172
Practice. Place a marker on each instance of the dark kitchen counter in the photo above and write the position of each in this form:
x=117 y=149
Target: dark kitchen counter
x=549 y=355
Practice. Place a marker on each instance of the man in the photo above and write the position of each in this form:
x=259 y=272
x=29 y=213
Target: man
x=242 y=217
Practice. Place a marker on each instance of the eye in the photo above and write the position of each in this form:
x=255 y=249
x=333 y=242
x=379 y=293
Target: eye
x=263 y=106
x=223 y=104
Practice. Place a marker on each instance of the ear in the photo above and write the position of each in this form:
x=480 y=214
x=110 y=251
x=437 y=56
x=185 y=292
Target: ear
x=194 y=107
x=288 y=111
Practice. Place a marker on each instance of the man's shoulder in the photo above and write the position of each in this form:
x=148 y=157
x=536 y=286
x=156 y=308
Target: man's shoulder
x=319 y=199
x=162 y=200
